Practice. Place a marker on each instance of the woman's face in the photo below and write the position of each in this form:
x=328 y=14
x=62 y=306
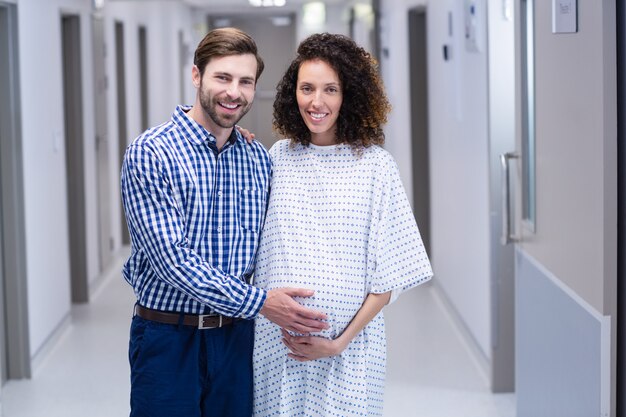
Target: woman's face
x=319 y=96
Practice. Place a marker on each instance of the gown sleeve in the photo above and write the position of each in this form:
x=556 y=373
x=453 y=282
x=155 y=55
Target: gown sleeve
x=397 y=259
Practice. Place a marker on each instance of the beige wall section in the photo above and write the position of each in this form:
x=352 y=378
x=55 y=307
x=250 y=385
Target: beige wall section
x=576 y=146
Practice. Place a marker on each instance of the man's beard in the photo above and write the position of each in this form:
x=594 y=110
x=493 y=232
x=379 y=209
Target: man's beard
x=210 y=104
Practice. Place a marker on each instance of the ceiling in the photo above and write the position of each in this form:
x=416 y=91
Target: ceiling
x=244 y=5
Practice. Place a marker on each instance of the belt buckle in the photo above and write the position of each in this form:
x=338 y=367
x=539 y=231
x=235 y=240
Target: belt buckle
x=201 y=318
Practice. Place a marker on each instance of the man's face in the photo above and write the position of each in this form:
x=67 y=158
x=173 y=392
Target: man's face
x=226 y=89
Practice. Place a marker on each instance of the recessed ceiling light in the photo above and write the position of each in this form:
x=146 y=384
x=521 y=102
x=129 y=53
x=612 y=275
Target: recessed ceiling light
x=267 y=3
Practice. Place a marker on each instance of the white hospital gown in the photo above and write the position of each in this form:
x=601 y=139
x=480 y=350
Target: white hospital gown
x=338 y=223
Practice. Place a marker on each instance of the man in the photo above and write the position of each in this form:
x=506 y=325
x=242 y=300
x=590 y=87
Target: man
x=195 y=193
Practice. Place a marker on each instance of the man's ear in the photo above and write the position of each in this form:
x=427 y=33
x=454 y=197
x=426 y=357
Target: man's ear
x=195 y=76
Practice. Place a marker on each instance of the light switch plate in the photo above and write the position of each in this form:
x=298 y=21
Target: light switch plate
x=564 y=16
x=473 y=25
x=507 y=9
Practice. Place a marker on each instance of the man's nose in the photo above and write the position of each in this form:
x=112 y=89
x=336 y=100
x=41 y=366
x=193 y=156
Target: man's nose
x=233 y=89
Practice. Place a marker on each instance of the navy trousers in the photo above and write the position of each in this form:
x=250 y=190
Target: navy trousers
x=181 y=371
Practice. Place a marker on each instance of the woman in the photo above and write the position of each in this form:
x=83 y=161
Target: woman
x=339 y=223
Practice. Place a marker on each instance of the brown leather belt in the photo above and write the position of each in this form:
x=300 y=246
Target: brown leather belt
x=202 y=321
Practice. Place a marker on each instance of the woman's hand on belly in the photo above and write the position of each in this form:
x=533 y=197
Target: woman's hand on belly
x=308 y=348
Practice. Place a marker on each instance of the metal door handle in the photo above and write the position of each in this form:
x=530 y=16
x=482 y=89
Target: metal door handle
x=507 y=235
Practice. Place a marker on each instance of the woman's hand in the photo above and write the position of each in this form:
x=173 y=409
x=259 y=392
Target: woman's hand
x=308 y=348
x=247 y=135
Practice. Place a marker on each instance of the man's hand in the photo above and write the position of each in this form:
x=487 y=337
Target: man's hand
x=282 y=309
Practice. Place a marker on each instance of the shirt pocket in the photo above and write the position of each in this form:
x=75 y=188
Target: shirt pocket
x=251 y=209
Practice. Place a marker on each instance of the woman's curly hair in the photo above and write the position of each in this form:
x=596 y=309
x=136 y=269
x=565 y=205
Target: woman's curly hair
x=365 y=106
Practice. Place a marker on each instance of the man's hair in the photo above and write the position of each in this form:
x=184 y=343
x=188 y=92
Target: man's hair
x=226 y=42
x=365 y=107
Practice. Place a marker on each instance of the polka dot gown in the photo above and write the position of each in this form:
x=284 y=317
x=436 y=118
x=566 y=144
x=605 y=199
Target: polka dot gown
x=338 y=223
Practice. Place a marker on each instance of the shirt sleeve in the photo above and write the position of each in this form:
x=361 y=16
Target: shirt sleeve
x=398 y=259
x=157 y=227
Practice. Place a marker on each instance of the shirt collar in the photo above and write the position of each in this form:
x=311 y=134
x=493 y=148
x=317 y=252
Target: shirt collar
x=196 y=133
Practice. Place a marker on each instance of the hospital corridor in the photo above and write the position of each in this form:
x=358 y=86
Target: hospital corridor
x=507 y=127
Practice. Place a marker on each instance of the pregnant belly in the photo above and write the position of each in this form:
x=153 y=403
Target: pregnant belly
x=339 y=307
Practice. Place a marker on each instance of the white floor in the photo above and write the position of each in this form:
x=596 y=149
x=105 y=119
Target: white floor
x=430 y=370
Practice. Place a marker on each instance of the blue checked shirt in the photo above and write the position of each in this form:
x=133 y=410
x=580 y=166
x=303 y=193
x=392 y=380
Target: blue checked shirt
x=194 y=216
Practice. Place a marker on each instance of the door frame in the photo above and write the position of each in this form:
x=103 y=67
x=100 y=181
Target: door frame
x=74 y=154
x=102 y=141
x=418 y=65
x=122 y=129
x=15 y=300
x=621 y=210
x=502 y=128
x=144 y=103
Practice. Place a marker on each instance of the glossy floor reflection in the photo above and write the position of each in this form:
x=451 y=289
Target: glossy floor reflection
x=430 y=371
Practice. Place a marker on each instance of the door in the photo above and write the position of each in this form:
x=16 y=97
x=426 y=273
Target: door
x=621 y=222
x=3 y=350
x=75 y=173
x=14 y=346
x=183 y=61
x=418 y=60
x=565 y=234
x=143 y=76
x=105 y=241
x=122 y=135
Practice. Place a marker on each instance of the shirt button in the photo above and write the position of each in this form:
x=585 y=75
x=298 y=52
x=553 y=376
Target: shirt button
x=219 y=229
x=219 y=193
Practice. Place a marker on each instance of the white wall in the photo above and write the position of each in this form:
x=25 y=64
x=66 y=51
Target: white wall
x=395 y=69
x=458 y=152
x=162 y=19
x=45 y=193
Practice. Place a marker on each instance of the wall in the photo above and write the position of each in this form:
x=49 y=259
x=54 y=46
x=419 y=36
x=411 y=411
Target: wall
x=576 y=117
x=459 y=145
x=163 y=20
x=395 y=69
x=573 y=250
x=45 y=190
